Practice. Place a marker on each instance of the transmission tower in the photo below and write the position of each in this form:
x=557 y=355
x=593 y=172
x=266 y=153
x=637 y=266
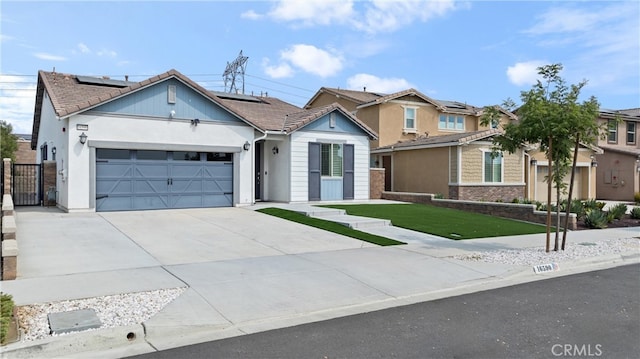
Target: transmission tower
x=234 y=73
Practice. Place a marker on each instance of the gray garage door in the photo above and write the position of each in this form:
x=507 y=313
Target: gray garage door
x=142 y=179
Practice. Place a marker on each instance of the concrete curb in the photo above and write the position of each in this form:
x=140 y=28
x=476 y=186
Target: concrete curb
x=143 y=338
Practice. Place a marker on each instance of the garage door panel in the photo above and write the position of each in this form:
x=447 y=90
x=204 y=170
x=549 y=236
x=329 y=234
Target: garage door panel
x=158 y=183
x=145 y=170
x=218 y=200
x=113 y=203
x=114 y=186
x=159 y=186
x=151 y=202
x=113 y=170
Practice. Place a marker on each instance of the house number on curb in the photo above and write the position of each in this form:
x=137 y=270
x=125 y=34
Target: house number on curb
x=543 y=268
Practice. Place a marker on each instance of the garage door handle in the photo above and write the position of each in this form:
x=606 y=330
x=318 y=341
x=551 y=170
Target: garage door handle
x=102 y=196
x=169 y=181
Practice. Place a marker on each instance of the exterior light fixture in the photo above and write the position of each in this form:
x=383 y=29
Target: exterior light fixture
x=246 y=146
x=83 y=138
x=275 y=150
x=594 y=163
x=195 y=122
x=172 y=114
x=534 y=162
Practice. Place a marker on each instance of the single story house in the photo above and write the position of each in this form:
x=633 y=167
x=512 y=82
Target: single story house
x=167 y=142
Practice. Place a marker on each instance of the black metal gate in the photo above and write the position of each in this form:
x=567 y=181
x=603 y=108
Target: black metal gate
x=27 y=184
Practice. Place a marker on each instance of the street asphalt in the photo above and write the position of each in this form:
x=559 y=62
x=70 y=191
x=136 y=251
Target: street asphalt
x=245 y=272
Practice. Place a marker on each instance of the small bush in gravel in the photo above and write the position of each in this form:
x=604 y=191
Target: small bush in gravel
x=636 y=197
x=596 y=218
x=635 y=213
x=6 y=310
x=618 y=210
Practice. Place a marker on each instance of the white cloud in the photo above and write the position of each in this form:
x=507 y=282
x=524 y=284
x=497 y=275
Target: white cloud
x=307 y=58
x=4 y=38
x=387 y=16
x=524 y=73
x=313 y=12
x=372 y=16
x=84 y=48
x=17 y=101
x=251 y=15
x=376 y=84
x=279 y=71
x=605 y=43
x=49 y=57
x=107 y=53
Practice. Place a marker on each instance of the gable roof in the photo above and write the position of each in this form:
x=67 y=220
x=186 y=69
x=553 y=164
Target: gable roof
x=628 y=114
x=365 y=99
x=455 y=139
x=357 y=97
x=73 y=94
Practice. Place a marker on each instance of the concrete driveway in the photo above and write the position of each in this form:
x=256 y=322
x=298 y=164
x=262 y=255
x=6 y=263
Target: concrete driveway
x=55 y=243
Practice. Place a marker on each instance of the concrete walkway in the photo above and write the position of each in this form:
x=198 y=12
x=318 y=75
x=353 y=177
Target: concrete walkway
x=246 y=272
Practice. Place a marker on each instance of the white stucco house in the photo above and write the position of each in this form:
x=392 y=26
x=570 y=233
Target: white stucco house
x=167 y=142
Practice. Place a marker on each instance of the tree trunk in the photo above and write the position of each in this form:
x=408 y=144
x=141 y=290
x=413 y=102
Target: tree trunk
x=556 y=242
x=550 y=158
x=569 y=197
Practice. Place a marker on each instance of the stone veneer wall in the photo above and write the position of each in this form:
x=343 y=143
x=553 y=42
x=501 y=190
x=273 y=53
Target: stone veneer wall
x=523 y=212
x=487 y=193
x=376 y=183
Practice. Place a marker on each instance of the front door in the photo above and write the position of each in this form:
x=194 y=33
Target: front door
x=386 y=163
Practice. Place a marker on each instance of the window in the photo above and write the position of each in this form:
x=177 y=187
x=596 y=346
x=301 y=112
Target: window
x=111 y=154
x=152 y=155
x=331 y=160
x=43 y=151
x=186 y=156
x=451 y=122
x=612 y=126
x=492 y=167
x=631 y=133
x=219 y=157
x=410 y=118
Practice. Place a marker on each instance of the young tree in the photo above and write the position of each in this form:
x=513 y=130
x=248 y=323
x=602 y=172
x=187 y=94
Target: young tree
x=550 y=117
x=8 y=141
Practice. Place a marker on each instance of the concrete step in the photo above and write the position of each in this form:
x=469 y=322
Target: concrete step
x=357 y=222
x=319 y=212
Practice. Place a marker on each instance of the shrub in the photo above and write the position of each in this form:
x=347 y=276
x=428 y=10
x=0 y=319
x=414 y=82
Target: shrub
x=635 y=213
x=596 y=218
x=6 y=310
x=618 y=211
x=636 y=197
x=438 y=196
x=590 y=204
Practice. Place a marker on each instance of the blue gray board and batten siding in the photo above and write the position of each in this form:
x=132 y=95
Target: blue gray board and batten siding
x=152 y=101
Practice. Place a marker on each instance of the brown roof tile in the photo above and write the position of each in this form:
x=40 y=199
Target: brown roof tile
x=455 y=139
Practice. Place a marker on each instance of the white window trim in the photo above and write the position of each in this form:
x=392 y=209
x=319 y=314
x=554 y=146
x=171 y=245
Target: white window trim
x=635 y=133
x=405 y=128
x=484 y=151
x=464 y=120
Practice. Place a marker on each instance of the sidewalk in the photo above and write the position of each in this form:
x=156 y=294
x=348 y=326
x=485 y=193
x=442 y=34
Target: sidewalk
x=275 y=285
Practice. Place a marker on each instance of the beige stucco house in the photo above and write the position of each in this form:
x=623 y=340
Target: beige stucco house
x=441 y=147
x=618 y=170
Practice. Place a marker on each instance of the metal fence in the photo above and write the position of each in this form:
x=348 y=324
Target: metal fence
x=27 y=184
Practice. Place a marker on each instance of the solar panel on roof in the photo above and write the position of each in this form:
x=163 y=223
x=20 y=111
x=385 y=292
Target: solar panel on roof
x=102 y=81
x=235 y=96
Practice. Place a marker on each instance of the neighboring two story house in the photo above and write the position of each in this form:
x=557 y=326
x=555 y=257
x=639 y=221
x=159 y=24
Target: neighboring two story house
x=618 y=170
x=440 y=147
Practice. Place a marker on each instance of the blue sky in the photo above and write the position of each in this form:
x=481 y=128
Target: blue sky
x=479 y=52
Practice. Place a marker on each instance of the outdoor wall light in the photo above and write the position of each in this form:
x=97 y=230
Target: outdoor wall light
x=53 y=151
x=246 y=146
x=534 y=162
x=275 y=150
x=594 y=163
x=172 y=114
x=83 y=138
x=195 y=122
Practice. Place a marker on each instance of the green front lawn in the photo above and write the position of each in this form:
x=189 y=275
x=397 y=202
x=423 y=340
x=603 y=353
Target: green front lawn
x=443 y=222
x=329 y=226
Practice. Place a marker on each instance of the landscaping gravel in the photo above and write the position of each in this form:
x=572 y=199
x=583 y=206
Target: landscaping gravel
x=112 y=310
x=573 y=251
